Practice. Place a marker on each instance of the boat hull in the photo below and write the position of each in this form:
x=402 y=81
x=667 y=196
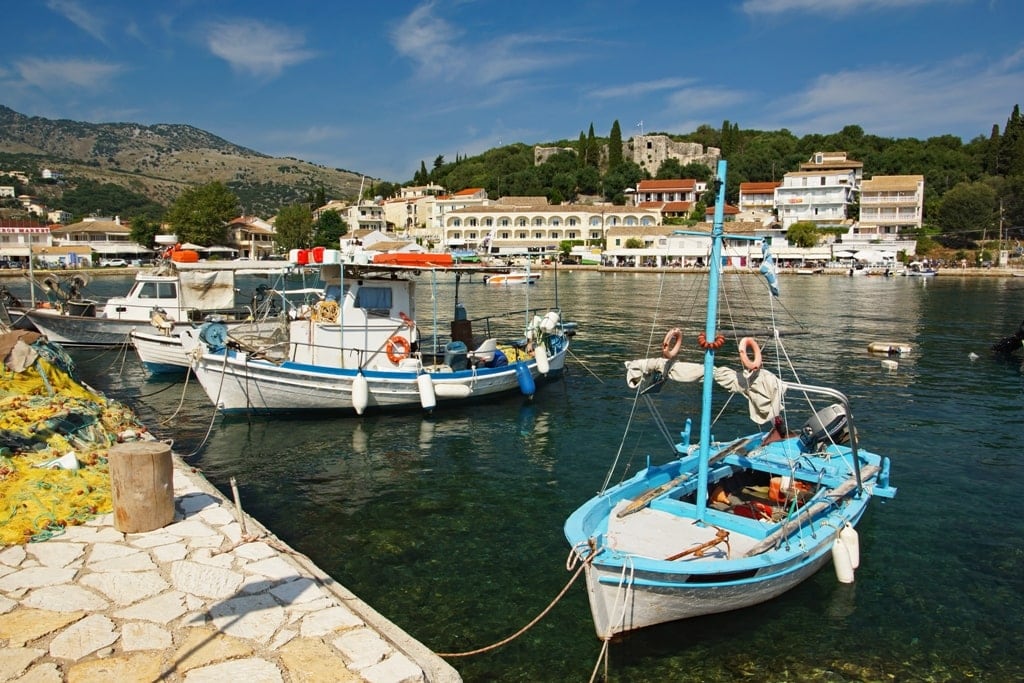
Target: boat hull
x=169 y=353
x=651 y=558
x=238 y=383
x=649 y=598
x=84 y=331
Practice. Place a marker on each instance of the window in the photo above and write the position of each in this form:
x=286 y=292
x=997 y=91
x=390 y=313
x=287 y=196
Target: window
x=374 y=299
x=504 y=222
x=457 y=223
x=538 y=235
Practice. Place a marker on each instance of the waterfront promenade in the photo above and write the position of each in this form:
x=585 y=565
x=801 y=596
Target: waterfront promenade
x=213 y=596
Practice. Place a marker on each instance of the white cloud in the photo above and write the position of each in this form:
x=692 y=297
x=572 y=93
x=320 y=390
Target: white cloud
x=632 y=90
x=257 y=48
x=704 y=99
x=55 y=74
x=832 y=7
x=894 y=100
x=443 y=51
x=79 y=16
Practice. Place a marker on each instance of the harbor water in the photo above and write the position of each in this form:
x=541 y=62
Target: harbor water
x=451 y=525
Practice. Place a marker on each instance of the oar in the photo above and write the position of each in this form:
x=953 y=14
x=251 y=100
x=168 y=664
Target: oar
x=649 y=495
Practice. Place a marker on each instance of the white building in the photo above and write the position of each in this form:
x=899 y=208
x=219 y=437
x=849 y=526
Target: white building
x=820 y=191
x=891 y=205
x=533 y=228
x=366 y=215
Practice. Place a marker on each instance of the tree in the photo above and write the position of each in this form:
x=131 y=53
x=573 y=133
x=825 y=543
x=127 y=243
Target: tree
x=615 y=145
x=967 y=212
x=329 y=229
x=294 y=227
x=593 y=150
x=627 y=174
x=201 y=214
x=803 y=234
x=144 y=231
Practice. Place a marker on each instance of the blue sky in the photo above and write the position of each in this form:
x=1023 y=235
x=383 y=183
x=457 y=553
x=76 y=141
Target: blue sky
x=377 y=87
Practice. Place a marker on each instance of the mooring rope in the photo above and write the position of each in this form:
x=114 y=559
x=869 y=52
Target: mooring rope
x=533 y=622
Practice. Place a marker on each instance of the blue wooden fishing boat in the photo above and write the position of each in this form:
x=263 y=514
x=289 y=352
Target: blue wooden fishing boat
x=725 y=524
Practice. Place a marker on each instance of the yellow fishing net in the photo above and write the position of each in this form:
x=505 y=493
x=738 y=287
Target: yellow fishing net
x=45 y=414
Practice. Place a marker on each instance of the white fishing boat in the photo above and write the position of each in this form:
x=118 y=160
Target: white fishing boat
x=513 y=277
x=725 y=524
x=361 y=348
x=172 y=294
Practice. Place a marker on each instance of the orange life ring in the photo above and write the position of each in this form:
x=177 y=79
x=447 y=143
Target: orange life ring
x=671 y=344
x=407 y=320
x=397 y=348
x=748 y=363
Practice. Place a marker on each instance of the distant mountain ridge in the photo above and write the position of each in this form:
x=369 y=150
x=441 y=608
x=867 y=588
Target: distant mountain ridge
x=160 y=160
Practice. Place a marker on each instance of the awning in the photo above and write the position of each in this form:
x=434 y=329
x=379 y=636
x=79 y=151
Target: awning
x=843 y=254
x=192 y=247
x=119 y=248
x=218 y=249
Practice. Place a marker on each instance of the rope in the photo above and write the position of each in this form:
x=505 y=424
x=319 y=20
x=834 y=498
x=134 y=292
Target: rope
x=533 y=622
x=213 y=417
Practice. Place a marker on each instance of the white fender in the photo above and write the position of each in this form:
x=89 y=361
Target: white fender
x=541 y=354
x=452 y=390
x=841 y=561
x=848 y=535
x=427 y=398
x=550 y=322
x=360 y=393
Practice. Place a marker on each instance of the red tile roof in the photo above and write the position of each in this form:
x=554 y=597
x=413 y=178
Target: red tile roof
x=676 y=184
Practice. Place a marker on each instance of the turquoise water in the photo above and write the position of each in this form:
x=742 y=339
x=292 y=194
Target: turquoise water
x=451 y=525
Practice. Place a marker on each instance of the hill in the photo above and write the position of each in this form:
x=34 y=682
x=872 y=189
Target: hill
x=159 y=161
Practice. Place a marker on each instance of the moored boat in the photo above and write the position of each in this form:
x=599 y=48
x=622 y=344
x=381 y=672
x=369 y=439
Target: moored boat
x=176 y=294
x=359 y=348
x=514 y=277
x=726 y=524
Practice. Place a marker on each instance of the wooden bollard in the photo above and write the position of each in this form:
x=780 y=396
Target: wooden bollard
x=141 y=485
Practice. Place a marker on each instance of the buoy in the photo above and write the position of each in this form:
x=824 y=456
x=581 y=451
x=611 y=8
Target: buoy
x=889 y=348
x=360 y=393
x=841 y=561
x=550 y=322
x=848 y=535
x=541 y=354
x=526 y=384
x=427 y=398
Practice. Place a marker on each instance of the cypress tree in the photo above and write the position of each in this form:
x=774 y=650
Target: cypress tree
x=592 y=149
x=992 y=157
x=615 y=146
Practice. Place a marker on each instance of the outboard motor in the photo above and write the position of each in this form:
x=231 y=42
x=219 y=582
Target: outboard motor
x=1014 y=342
x=828 y=425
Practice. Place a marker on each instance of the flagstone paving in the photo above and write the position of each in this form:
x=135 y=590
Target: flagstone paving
x=198 y=600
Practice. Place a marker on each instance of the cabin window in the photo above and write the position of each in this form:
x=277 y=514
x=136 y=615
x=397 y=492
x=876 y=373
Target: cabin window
x=374 y=299
x=158 y=290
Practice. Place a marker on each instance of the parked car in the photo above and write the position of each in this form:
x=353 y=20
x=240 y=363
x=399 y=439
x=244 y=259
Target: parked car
x=113 y=263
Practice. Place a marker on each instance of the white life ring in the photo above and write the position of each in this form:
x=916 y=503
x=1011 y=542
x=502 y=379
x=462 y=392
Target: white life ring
x=748 y=362
x=671 y=344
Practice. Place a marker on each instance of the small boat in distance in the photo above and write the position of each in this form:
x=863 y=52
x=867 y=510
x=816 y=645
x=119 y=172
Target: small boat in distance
x=513 y=277
x=726 y=524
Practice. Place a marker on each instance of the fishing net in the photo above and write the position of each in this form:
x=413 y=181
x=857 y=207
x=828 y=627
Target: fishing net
x=47 y=416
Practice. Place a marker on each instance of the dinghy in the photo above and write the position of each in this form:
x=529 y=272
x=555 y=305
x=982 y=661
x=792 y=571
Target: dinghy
x=724 y=524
